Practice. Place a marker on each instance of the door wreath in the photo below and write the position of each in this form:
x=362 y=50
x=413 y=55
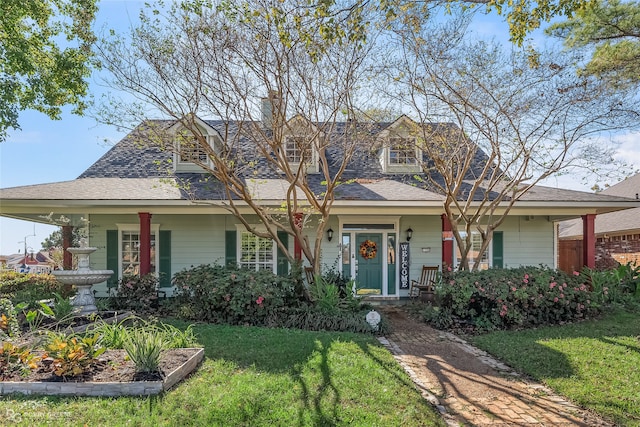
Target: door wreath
x=368 y=249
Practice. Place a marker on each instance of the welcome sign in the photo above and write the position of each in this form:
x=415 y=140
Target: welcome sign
x=404 y=265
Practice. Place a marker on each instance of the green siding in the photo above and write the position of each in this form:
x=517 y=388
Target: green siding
x=230 y=247
x=165 y=258
x=498 y=249
x=112 y=257
x=282 y=261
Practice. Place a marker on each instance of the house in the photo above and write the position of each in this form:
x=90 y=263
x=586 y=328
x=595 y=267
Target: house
x=617 y=233
x=34 y=262
x=383 y=227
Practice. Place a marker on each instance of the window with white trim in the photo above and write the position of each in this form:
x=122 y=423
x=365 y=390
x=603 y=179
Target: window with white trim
x=191 y=151
x=257 y=253
x=401 y=155
x=402 y=151
x=474 y=256
x=129 y=250
x=297 y=149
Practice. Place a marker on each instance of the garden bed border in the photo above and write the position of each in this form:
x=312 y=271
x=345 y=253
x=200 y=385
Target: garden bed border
x=105 y=389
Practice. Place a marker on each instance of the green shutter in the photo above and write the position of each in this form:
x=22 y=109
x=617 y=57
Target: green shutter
x=165 y=258
x=498 y=250
x=112 y=257
x=230 y=247
x=283 y=262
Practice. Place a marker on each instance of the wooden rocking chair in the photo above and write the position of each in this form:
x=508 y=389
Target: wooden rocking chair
x=427 y=282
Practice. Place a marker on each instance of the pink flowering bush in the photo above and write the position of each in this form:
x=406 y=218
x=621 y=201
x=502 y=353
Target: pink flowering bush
x=519 y=297
x=138 y=293
x=218 y=294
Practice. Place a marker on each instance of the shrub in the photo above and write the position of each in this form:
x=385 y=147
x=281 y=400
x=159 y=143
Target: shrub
x=16 y=359
x=35 y=314
x=144 y=345
x=113 y=334
x=325 y=295
x=138 y=293
x=62 y=307
x=230 y=295
x=73 y=355
x=9 y=326
x=620 y=285
x=525 y=296
x=337 y=278
x=21 y=287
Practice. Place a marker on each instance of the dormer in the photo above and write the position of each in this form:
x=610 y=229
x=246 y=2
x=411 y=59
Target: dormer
x=400 y=152
x=190 y=154
x=300 y=142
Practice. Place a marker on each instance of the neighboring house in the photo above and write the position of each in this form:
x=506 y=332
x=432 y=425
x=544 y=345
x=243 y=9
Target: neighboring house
x=35 y=262
x=131 y=204
x=617 y=233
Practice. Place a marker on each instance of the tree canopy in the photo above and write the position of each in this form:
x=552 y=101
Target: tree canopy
x=217 y=60
x=45 y=49
x=515 y=117
x=612 y=29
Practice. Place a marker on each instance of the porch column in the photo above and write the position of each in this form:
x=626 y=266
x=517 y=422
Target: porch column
x=447 y=243
x=297 y=247
x=589 y=240
x=145 y=243
x=67 y=257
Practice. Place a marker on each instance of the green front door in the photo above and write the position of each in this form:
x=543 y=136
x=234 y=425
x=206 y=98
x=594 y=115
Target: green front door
x=370 y=257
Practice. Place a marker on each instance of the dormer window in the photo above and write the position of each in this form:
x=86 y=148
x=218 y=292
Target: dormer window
x=402 y=151
x=191 y=151
x=299 y=150
x=401 y=155
x=193 y=148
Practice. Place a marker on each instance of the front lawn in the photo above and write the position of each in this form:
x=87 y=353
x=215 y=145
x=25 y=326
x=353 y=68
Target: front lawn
x=595 y=364
x=257 y=377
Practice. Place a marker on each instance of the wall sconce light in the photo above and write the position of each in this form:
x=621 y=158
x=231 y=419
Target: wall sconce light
x=329 y=234
x=409 y=234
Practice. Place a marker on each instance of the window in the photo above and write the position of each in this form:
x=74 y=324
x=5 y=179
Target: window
x=130 y=252
x=297 y=149
x=191 y=151
x=474 y=255
x=400 y=155
x=256 y=253
x=129 y=249
x=402 y=151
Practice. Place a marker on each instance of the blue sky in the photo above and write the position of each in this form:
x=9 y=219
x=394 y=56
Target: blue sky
x=46 y=150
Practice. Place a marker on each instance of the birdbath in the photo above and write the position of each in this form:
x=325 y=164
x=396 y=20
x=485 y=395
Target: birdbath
x=83 y=279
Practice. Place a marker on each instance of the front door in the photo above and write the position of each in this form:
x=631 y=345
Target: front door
x=370 y=256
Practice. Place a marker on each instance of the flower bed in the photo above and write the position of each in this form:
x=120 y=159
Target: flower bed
x=109 y=378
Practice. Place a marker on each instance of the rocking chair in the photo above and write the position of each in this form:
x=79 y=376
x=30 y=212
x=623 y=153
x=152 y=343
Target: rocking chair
x=427 y=282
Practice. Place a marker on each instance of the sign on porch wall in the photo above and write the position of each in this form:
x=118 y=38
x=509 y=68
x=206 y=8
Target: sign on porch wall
x=404 y=265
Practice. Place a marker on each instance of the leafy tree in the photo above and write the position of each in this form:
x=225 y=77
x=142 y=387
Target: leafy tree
x=516 y=118
x=45 y=49
x=612 y=29
x=54 y=240
x=523 y=16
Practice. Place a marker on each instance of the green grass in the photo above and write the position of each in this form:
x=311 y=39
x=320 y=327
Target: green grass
x=595 y=364
x=257 y=377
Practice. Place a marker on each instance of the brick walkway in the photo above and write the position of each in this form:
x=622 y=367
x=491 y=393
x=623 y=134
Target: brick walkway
x=468 y=386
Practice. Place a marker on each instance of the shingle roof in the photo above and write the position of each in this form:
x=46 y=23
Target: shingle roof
x=367 y=180
x=131 y=170
x=627 y=220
